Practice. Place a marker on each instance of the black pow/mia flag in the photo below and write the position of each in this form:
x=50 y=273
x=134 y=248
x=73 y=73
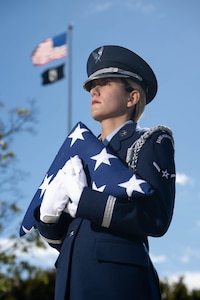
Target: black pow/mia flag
x=52 y=75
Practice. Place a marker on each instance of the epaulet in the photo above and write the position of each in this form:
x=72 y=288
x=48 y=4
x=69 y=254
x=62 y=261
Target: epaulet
x=133 y=151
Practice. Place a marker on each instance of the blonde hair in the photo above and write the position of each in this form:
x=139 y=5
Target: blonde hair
x=140 y=106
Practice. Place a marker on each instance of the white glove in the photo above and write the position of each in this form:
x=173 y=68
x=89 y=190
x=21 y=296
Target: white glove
x=76 y=181
x=55 y=199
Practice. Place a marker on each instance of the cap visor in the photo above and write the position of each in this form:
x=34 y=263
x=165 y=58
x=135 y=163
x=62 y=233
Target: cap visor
x=87 y=83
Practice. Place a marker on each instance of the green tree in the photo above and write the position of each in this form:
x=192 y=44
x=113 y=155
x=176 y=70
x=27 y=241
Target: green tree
x=40 y=286
x=178 y=290
x=12 y=122
x=165 y=289
x=195 y=295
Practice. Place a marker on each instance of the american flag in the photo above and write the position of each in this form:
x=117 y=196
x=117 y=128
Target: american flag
x=104 y=171
x=50 y=49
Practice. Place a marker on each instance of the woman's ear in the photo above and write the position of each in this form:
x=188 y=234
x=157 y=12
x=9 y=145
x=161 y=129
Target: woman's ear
x=133 y=98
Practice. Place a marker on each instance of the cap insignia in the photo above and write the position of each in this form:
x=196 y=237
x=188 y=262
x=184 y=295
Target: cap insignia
x=97 y=56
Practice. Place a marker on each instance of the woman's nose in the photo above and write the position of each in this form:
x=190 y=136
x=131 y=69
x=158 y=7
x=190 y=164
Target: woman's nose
x=94 y=90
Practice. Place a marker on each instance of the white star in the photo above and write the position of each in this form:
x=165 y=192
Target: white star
x=102 y=158
x=100 y=189
x=165 y=174
x=132 y=185
x=44 y=184
x=77 y=134
x=28 y=230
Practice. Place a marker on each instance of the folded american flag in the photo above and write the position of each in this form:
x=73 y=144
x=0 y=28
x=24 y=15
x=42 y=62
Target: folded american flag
x=104 y=171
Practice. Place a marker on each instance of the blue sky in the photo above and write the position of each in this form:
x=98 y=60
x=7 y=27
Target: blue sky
x=166 y=34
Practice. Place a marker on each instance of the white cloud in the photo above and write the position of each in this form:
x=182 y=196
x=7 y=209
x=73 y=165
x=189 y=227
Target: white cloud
x=102 y=6
x=146 y=8
x=182 y=178
x=99 y=7
x=191 y=279
x=43 y=258
x=158 y=259
x=189 y=255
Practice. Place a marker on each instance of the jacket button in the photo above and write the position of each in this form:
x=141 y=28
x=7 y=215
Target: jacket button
x=123 y=132
x=71 y=234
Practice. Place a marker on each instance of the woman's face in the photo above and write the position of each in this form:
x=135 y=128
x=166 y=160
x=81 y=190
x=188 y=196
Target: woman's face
x=109 y=99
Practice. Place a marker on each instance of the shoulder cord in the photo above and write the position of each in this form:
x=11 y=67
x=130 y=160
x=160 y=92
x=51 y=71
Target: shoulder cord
x=133 y=151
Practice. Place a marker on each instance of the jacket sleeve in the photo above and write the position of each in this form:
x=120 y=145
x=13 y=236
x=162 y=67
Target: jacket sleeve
x=53 y=234
x=140 y=215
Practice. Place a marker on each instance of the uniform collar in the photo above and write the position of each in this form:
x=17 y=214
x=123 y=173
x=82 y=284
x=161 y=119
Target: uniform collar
x=111 y=135
x=124 y=133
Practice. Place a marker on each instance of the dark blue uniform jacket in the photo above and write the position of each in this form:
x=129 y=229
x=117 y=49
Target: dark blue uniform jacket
x=113 y=263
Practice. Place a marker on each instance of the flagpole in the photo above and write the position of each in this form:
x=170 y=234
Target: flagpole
x=69 y=42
